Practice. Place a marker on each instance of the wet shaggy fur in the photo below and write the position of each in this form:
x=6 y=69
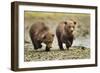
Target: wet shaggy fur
x=64 y=33
x=39 y=33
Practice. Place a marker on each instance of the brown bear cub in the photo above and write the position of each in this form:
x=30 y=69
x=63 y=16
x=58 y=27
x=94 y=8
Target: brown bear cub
x=64 y=33
x=39 y=33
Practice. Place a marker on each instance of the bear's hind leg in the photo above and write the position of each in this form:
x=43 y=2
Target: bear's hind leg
x=59 y=41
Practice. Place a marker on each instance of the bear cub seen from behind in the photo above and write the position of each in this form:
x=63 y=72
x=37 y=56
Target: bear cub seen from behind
x=64 y=33
x=40 y=33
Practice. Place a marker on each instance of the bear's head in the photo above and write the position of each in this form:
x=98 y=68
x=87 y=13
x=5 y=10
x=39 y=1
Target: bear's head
x=48 y=39
x=69 y=26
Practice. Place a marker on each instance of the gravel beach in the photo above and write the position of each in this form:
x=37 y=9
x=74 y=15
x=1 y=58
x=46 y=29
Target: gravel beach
x=42 y=55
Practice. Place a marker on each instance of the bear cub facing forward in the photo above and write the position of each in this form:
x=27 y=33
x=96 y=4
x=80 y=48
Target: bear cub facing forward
x=40 y=33
x=64 y=33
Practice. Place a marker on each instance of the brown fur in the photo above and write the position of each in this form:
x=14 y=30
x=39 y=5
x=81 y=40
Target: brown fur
x=40 y=33
x=64 y=33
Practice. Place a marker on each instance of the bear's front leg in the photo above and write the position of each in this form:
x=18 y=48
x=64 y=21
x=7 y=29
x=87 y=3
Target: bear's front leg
x=60 y=45
x=47 y=49
x=68 y=44
x=39 y=44
x=34 y=44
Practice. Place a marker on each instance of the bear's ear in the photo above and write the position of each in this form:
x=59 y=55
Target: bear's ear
x=65 y=22
x=75 y=22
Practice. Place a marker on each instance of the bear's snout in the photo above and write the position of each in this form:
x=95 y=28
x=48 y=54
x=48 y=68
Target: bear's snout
x=49 y=45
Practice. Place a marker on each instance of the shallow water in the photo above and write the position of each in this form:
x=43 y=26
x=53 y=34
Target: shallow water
x=82 y=41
